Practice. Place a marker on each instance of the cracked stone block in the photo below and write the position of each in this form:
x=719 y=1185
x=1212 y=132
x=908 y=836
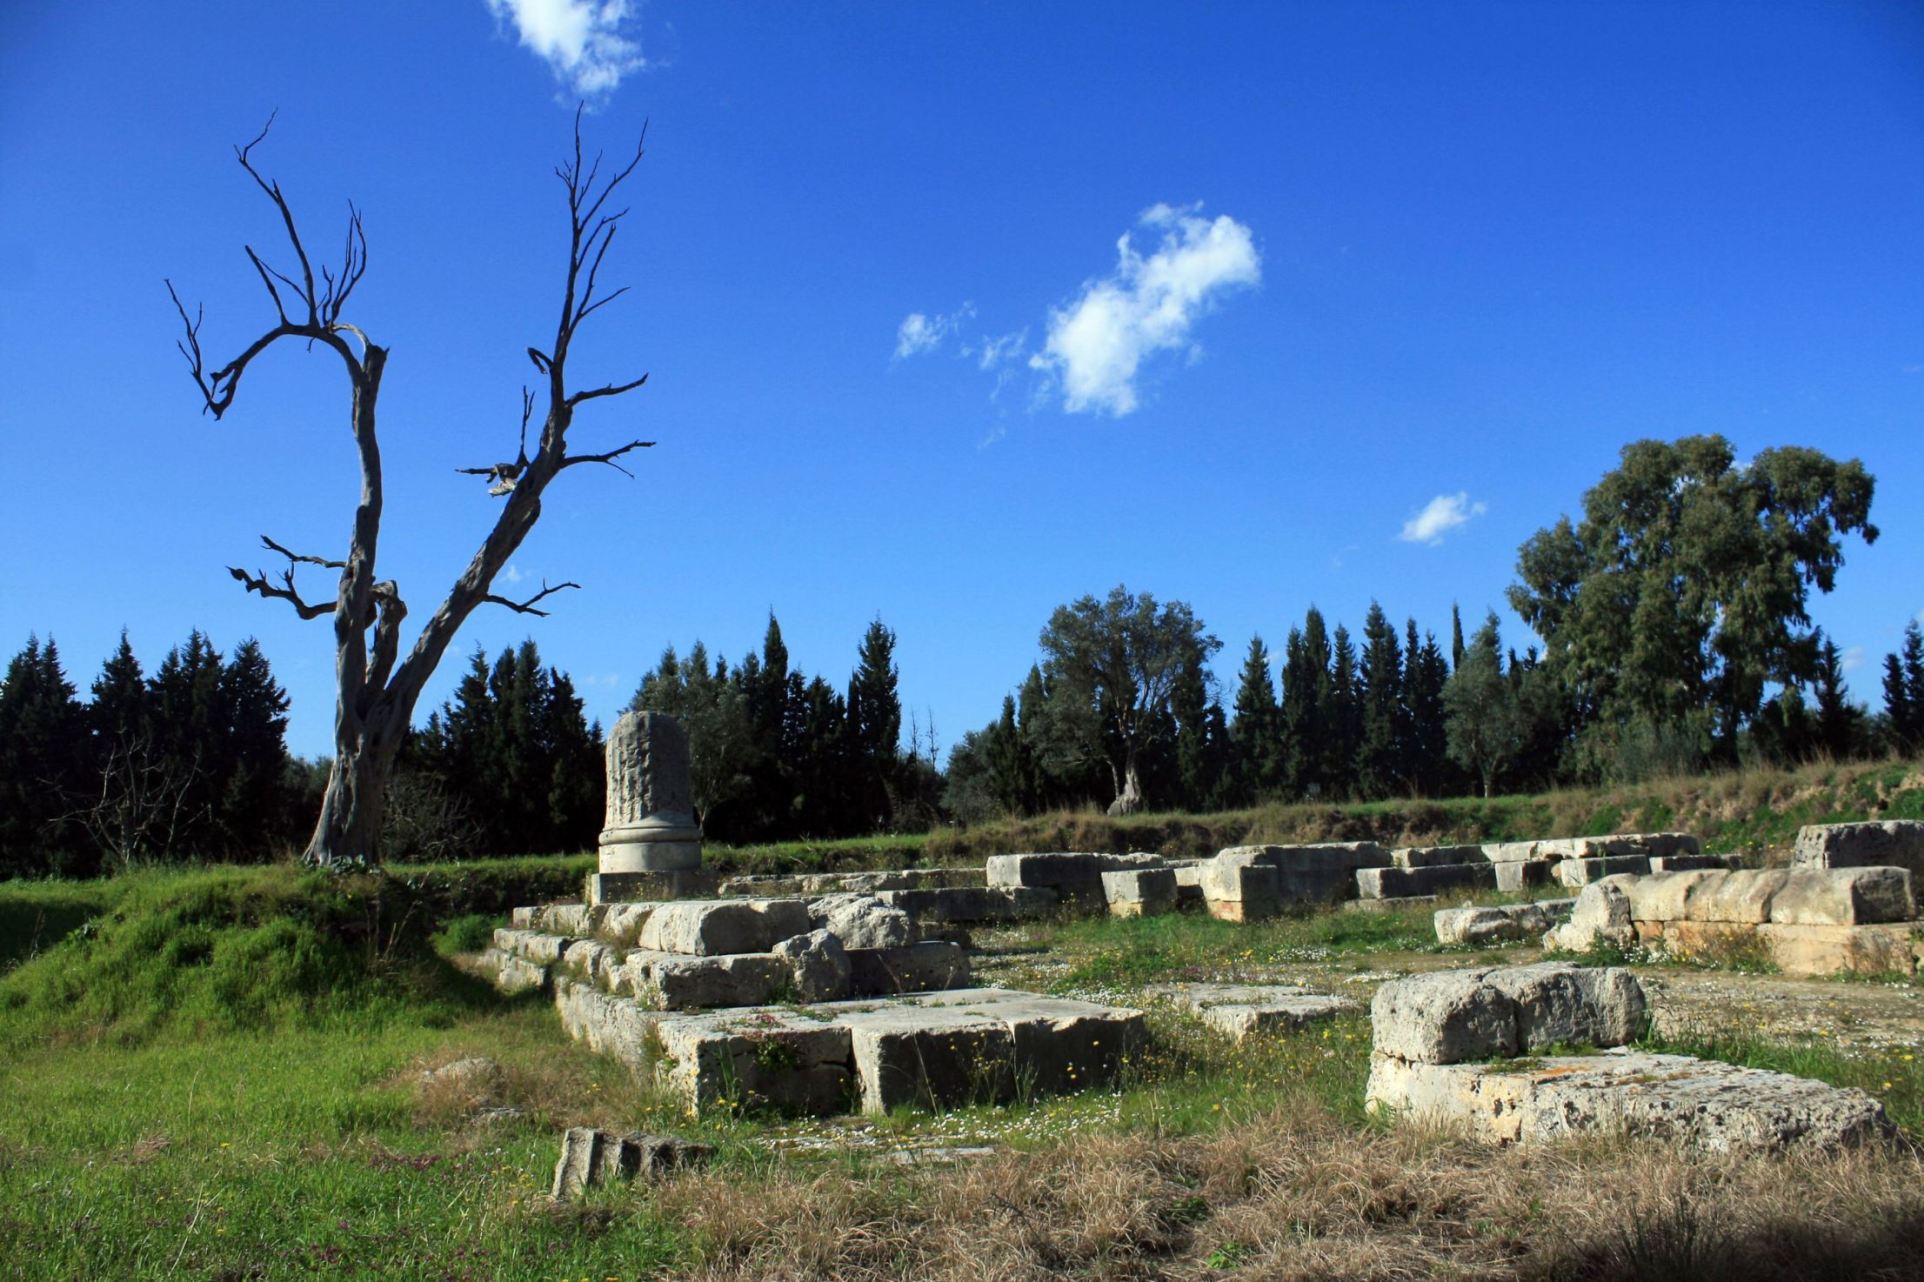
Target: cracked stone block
x=1442 y=1017
x=536 y=946
x=708 y=927
x=1238 y=886
x=935 y=1059
x=674 y=981
x=1514 y=876
x=1895 y=843
x=511 y=974
x=863 y=921
x=1075 y=876
x=764 y=1058
x=1248 y=1010
x=1863 y=896
x=1890 y=949
x=1693 y=1103
x=972 y=905
x=818 y=966
x=1496 y=923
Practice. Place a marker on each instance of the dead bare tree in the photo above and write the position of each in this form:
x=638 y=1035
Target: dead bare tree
x=376 y=688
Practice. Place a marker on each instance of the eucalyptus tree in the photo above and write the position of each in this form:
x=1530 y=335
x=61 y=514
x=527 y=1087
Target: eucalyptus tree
x=376 y=687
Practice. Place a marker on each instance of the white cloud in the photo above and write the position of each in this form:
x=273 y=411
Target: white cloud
x=586 y=43
x=512 y=573
x=999 y=351
x=919 y=333
x=1854 y=658
x=1442 y=514
x=1097 y=343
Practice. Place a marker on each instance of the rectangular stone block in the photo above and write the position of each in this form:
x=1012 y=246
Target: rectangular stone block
x=1843 y=897
x=510 y=974
x=1896 y=843
x=1583 y=870
x=1076 y=876
x=1142 y=892
x=1708 y=1106
x=758 y=1059
x=1688 y=863
x=1432 y=879
x=1838 y=950
x=1743 y=897
x=710 y=927
x=929 y=1058
x=1514 y=876
x=973 y=905
x=678 y=981
x=661 y=885
x=613 y=1026
x=931 y=965
x=1237 y=888
x=1488 y=925
x=1430 y=856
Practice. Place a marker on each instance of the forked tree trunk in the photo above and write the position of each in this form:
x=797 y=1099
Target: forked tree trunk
x=348 y=832
x=1129 y=800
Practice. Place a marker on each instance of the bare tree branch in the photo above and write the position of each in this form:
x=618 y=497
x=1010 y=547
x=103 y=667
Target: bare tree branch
x=608 y=458
x=527 y=607
x=614 y=390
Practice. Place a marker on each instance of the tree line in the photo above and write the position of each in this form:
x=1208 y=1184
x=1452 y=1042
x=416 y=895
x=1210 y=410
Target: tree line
x=1674 y=628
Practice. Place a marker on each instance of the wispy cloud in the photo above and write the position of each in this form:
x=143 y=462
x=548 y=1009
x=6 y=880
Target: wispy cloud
x=1854 y=658
x=512 y=573
x=1442 y=514
x=920 y=332
x=590 y=45
x=1098 y=342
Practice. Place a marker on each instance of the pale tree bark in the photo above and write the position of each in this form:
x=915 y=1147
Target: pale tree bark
x=376 y=688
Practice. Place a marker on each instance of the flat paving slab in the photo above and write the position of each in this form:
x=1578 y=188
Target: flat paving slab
x=1244 y=1010
x=1697 y=1103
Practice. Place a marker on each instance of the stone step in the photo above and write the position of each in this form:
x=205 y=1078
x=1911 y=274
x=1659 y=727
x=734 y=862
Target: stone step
x=521 y=960
x=1246 y=1010
x=1429 y=879
x=940 y=1050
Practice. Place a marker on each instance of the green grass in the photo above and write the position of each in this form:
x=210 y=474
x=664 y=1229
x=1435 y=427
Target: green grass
x=1105 y=953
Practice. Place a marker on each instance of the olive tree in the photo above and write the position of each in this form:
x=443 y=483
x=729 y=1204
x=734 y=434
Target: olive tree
x=376 y=685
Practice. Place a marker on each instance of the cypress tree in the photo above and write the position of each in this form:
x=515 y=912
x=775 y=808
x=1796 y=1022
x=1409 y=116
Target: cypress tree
x=1456 y=637
x=191 y=741
x=1305 y=706
x=44 y=775
x=254 y=757
x=1904 y=693
x=874 y=727
x=1256 y=734
x=1381 y=750
x=1345 y=717
x=1425 y=675
x=1197 y=760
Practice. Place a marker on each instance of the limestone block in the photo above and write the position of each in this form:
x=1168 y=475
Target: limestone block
x=1250 y=1010
x=1558 y=1004
x=1488 y=925
x=1141 y=892
x=511 y=974
x=1076 y=876
x=703 y=927
x=765 y=1058
x=596 y=962
x=862 y=921
x=621 y=923
x=1744 y=897
x=678 y=981
x=523 y=918
x=972 y=905
x=818 y=966
x=1443 y=1018
x=1896 y=843
x=1429 y=856
x=1512 y=852
x=1832 y=950
x=1431 y=879
x=591 y=1157
x=613 y=1026
x=1602 y=909
x=577 y=920
x=933 y=964
x=1862 y=896
x=1693 y=1103
x=536 y=946
x=1582 y=870
x=1236 y=887
x=1661 y=896
x=1688 y=863
x=1514 y=876
x=907 y=1055
x=656 y=885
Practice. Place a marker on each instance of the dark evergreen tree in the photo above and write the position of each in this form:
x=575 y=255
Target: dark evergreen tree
x=1307 y=706
x=190 y=726
x=45 y=774
x=1456 y=637
x=254 y=760
x=1345 y=718
x=1256 y=734
x=1384 y=733
x=1200 y=749
x=1839 y=721
x=1426 y=757
x=1904 y=693
x=874 y=727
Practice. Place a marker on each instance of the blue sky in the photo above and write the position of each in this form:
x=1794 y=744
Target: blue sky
x=1213 y=300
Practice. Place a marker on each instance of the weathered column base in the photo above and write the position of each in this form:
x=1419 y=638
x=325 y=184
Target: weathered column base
x=650 y=885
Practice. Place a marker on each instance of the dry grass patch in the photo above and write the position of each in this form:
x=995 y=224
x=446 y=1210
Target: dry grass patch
x=1298 y=1195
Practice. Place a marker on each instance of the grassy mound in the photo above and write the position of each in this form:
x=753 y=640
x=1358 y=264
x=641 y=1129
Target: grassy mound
x=229 y=949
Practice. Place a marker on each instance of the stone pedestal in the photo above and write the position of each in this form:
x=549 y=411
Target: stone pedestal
x=650 y=826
